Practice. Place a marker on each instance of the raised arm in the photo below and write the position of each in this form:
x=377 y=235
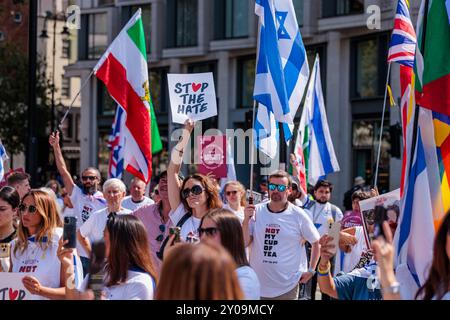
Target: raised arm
x=173 y=183
x=324 y=278
x=60 y=163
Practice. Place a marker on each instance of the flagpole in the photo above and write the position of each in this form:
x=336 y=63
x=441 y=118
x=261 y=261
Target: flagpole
x=76 y=96
x=252 y=152
x=382 y=124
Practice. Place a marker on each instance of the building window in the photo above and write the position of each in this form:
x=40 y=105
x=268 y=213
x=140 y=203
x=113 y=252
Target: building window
x=231 y=19
x=298 y=6
x=93 y=38
x=129 y=11
x=245 y=82
x=17 y=17
x=105 y=2
x=369 y=67
x=181 y=23
x=77 y=127
x=106 y=104
x=365 y=137
x=65 y=87
x=333 y=8
x=65 y=51
x=158 y=89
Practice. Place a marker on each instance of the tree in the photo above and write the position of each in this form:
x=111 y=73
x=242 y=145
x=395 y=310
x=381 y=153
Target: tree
x=14 y=98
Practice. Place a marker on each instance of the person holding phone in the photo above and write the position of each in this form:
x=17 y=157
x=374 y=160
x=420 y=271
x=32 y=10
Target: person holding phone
x=191 y=198
x=34 y=250
x=222 y=226
x=129 y=271
x=276 y=238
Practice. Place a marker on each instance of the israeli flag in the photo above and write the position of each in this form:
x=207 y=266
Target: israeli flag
x=281 y=71
x=3 y=157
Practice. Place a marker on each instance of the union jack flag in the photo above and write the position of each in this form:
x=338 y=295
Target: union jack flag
x=116 y=144
x=403 y=41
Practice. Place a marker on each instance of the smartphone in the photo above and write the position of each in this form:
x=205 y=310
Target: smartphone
x=380 y=216
x=176 y=231
x=334 y=232
x=97 y=269
x=4 y=250
x=70 y=231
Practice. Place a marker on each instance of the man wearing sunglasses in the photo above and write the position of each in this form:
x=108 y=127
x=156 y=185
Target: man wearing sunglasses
x=85 y=200
x=276 y=231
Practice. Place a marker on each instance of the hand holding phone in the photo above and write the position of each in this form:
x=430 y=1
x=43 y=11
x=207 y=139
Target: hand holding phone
x=70 y=232
x=334 y=232
x=176 y=231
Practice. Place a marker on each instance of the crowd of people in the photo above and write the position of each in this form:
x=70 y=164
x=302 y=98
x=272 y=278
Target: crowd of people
x=193 y=240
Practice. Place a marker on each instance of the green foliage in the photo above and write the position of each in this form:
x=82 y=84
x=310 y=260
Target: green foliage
x=14 y=98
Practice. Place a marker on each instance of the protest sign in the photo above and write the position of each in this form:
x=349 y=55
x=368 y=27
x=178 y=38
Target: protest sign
x=212 y=156
x=11 y=287
x=257 y=197
x=192 y=96
x=388 y=199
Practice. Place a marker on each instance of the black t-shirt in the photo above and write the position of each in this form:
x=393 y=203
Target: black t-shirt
x=9 y=238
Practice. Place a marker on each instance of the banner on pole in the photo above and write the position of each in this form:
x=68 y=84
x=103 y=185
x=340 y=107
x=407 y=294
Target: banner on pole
x=212 y=156
x=192 y=96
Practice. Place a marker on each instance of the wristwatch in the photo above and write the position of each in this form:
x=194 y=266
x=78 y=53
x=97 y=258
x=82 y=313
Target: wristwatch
x=311 y=270
x=394 y=288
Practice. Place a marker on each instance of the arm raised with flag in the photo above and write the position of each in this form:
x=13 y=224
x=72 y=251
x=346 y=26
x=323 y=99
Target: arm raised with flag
x=60 y=163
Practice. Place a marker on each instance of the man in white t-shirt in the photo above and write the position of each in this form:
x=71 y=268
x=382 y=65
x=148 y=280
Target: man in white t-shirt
x=137 y=197
x=277 y=234
x=85 y=200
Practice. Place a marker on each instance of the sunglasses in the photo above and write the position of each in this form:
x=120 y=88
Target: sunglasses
x=91 y=178
x=279 y=187
x=207 y=231
x=229 y=193
x=31 y=209
x=195 y=190
x=162 y=228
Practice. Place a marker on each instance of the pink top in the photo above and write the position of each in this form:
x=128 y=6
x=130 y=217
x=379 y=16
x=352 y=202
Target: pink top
x=351 y=219
x=152 y=221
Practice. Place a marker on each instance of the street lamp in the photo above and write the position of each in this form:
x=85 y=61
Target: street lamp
x=65 y=32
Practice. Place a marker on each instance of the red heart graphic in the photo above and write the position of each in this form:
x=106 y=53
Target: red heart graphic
x=196 y=86
x=13 y=294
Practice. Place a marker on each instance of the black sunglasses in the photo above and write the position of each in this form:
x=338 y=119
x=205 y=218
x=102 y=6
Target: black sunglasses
x=91 y=178
x=229 y=193
x=31 y=209
x=162 y=228
x=196 y=190
x=207 y=231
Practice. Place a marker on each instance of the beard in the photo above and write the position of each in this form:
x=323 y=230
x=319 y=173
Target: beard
x=89 y=189
x=275 y=197
x=321 y=201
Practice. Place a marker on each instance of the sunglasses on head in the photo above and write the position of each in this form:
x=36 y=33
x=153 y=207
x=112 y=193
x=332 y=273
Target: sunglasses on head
x=229 y=193
x=91 y=178
x=195 y=190
x=31 y=209
x=279 y=187
x=207 y=231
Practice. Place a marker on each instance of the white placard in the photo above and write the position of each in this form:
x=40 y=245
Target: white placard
x=192 y=96
x=11 y=287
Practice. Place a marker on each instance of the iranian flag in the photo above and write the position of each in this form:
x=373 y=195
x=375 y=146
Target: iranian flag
x=123 y=69
x=432 y=67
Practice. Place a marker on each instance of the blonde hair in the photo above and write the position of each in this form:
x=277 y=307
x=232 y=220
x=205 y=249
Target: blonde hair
x=241 y=188
x=46 y=208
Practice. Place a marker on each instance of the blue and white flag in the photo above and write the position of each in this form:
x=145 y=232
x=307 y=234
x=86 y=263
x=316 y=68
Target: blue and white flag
x=281 y=71
x=231 y=171
x=3 y=157
x=116 y=144
x=314 y=133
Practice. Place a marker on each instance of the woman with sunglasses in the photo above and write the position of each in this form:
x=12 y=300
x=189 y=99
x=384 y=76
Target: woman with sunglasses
x=129 y=269
x=34 y=250
x=191 y=199
x=204 y=271
x=9 y=203
x=235 y=198
x=222 y=226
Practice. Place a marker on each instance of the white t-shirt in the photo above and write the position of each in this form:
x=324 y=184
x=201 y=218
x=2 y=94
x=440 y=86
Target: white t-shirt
x=44 y=265
x=249 y=283
x=129 y=204
x=83 y=206
x=346 y=262
x=189 y=227
x=239 y=214
x=93 y=228
x=322 y=216
x=277 y=254
x=139 y=286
